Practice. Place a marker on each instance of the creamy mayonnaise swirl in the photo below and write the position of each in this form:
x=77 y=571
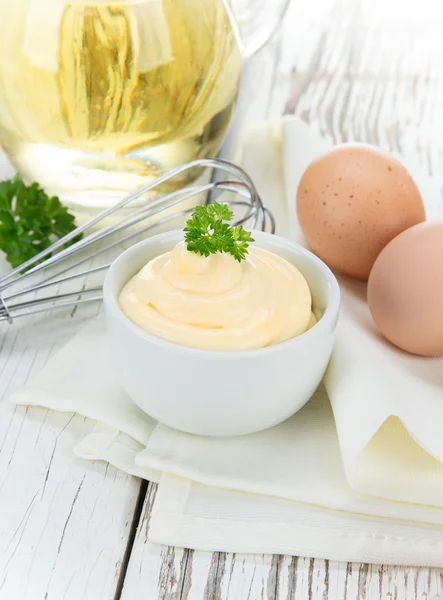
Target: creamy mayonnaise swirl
x=217 y=303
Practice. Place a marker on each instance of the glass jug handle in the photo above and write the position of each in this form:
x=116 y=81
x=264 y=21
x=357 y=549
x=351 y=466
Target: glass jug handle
x=257 y=20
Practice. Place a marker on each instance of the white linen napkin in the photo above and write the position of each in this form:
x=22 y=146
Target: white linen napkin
x=220 y=518
x=283 y=490
x=192 y=515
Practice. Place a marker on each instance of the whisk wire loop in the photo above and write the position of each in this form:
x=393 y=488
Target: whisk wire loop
x=97 y=242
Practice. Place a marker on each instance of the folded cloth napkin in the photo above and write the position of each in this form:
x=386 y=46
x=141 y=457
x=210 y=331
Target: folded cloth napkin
x=388 y=405
x=298 y=487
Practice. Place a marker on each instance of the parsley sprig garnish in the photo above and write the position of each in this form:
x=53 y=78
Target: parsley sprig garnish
x=207 y=232
x=30 y=221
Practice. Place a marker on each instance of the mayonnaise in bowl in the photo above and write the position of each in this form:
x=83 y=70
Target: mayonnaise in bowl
x=218 y=303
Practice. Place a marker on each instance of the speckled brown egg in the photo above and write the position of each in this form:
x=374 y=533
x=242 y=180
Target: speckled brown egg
x=405 y=290
x=354 y=200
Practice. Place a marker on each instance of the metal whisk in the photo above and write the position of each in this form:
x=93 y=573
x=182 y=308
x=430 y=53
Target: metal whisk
x=20 y=289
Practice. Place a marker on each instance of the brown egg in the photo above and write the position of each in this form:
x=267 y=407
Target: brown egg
x=405 y=290
x=354 y=200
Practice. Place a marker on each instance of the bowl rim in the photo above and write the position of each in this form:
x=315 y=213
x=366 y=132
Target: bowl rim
x=329 y=315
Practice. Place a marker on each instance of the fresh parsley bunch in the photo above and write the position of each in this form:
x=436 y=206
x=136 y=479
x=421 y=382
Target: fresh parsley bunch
x=207 y=232
x=30 y=221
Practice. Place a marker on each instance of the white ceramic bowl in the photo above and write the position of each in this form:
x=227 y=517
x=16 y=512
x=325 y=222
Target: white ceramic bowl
x=220 y=393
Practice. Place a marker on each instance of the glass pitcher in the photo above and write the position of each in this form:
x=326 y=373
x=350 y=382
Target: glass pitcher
x=98 y=97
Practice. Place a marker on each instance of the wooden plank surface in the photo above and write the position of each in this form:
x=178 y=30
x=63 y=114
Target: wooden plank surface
x=64 y=522
x=365 y=70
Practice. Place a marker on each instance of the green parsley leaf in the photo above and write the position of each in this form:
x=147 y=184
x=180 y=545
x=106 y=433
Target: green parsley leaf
x=240 y=242
x=207 y=233
x=30 y=221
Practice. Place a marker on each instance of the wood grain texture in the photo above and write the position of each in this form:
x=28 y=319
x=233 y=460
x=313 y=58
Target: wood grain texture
x=64 y=522
x=363 y=70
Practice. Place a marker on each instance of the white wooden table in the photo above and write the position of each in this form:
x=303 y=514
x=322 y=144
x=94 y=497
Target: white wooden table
x=369 y=70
